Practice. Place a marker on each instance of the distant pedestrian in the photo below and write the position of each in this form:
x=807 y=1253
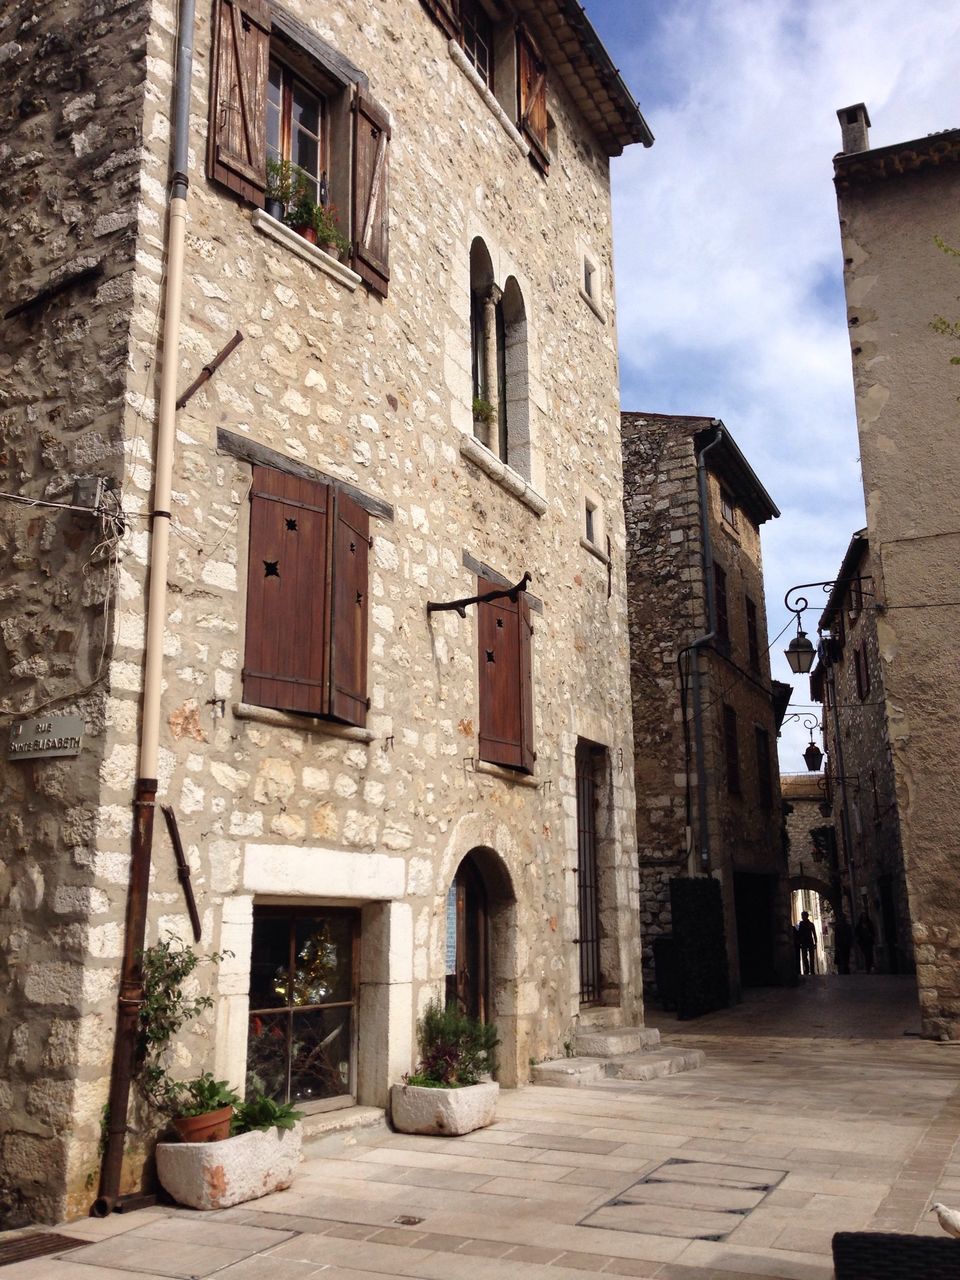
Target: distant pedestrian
x=866 y=937
x=842 y=941
x=807 y=941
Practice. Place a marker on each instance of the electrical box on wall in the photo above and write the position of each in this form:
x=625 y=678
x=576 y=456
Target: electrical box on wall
x=88 y=492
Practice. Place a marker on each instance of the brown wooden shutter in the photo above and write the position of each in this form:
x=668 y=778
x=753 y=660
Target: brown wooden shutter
x=446 y=14
x=237 y=140
x=287 y=638
x=505 y=677
x=371 y=193
x=348 y=623
x=532 y=94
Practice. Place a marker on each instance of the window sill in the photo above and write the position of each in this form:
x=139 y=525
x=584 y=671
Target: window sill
x=594 y=306
x=279 y=231
x=306 y=724
x=501 y=474
x=470 y=71
x=506 y=775
x=595 y=551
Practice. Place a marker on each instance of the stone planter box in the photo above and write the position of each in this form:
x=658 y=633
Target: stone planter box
x=215 y=1175
x=414 y=1109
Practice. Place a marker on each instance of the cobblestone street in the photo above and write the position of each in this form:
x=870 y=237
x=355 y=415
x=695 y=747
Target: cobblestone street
x=818 y=1110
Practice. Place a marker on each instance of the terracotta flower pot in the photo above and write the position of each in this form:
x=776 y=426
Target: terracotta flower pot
x=309 y=234
x=212 y=1126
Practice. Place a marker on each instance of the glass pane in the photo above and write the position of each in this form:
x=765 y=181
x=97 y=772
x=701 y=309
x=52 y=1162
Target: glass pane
x=306 y=109
x=320 y=1054
x=275 y=87
x=306 y=155
x=267 y=1054
x=270 y=961
x=323 y=959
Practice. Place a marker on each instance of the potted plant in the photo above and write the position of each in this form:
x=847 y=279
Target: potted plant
x=203 y=1108
x=260 y=1155
x=448 y=1094
x=482 y=411
x=329 y=236
x=316 y=222
x=283 y=180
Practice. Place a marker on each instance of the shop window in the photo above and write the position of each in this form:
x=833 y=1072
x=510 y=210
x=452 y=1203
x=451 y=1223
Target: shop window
x=731 y=743
x=306 y=620
x=303 y=1002
x=279 y=92
x=505 y=680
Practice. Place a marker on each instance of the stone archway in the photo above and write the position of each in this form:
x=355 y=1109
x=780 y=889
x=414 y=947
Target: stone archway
x=480 y=952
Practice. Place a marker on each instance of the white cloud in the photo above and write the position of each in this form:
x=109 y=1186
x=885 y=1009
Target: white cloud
x=729 y=271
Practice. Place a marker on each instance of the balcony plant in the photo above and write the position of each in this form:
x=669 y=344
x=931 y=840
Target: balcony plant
x=450 y=1092
x=317 y=223
x=283 y=181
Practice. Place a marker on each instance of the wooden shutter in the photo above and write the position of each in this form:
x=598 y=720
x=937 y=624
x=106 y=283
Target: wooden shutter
x=348 y=622
x=532 y=95
x=505 y=676
x=236 y=140
x=371 y=193
x=287 y=643
x=446 y=14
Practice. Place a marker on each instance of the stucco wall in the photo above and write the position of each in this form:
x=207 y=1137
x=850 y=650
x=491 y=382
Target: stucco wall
x=897 y=281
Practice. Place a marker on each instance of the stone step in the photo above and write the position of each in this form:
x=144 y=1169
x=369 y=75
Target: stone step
x=614 y=1042
x=600 y=1016
x=593 y=1072
x=338 y=1127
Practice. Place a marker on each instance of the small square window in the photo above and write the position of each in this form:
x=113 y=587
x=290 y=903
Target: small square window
x=589 y=276
x=590 y=523
x=727 y=508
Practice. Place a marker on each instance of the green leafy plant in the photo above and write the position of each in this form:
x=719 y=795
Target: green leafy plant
x=455 y=1050
x=482 y=410
x=283 y=181
x=201 y=1095
x=261 y=1112
x=303 y=211
x=166 y=1008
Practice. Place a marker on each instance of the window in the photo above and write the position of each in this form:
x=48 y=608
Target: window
x=753 y=639
x=306 y=630
x=590 y=530
x=303 y=999
x=589 y=272
x=861 y=671
x=506 y=680
x=720 y=602
x=764 y=778
x=279 y=92
x=731 y=749
x=728 y=509
x=498 y=360
x=469 y=24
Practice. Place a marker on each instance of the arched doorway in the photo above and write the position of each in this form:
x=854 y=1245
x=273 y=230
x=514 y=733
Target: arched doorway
x=480 y=950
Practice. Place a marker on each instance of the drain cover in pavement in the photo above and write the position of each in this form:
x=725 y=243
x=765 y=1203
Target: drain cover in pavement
x=37 y=1245
x=693 y=1199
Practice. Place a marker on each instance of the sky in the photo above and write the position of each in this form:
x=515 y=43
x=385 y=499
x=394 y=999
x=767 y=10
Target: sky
x=729 y=274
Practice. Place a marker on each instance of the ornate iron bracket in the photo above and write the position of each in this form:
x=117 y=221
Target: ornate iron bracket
x=461 y=606
x=801 y=603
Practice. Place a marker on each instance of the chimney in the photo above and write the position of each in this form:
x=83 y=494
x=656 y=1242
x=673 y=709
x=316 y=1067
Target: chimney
x=854 y=128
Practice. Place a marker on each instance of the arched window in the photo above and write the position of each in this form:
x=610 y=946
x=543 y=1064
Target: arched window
x=498 y=347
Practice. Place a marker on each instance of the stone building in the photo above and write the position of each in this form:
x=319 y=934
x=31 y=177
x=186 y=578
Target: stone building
x=223 y=606
x=895 y=204
x=706 y=713
x=858 y=775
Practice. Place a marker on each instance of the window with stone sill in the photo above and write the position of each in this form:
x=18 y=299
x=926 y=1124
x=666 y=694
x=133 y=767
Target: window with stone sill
x=498 y=360
x=507 y=60
x=278 y=92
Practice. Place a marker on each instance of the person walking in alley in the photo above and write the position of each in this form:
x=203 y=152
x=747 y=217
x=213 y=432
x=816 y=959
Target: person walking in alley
x=807 y=940
x=866 y=936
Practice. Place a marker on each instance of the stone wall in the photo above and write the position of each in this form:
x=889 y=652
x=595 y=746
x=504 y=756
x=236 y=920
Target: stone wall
x=377 y=394
x=667 y=606
x=70 y=158
x=897 y=281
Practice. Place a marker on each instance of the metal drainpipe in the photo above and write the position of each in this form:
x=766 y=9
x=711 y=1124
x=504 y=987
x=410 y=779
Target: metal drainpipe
x=131 y=991
x=697 y=645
